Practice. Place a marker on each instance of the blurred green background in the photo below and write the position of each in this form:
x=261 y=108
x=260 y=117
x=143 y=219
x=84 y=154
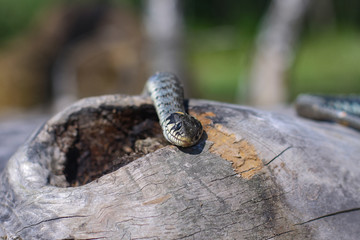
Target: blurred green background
x=219 y=44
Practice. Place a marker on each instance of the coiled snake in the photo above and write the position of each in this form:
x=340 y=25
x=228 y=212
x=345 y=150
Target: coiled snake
x=167 y=93
x=342 y=109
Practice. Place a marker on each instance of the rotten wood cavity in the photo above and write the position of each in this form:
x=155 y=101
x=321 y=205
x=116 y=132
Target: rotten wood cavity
x=99 y=141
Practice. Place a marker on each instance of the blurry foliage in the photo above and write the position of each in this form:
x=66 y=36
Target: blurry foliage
x=89 y=42
x=347 y=12
x=216 y=58
x=209 y=13
x=327 y=63
x=220 y=43
x=220 y=39
x=327 y=54
x=15 y=16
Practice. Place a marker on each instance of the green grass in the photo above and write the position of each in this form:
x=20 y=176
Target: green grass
x=217 y=59
x=328 y=63
x=325 y=63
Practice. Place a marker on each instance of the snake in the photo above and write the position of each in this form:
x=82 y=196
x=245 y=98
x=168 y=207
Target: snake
x=343 y=109
x=167 y=94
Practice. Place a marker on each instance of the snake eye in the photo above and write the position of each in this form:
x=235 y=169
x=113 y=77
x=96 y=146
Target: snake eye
x=178 y=126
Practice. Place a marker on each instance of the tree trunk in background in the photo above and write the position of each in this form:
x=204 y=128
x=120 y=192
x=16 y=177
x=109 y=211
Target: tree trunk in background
x=274 y=52
x=164 y=28
x=64 y=81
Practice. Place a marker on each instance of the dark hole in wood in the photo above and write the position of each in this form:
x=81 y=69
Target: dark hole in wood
x=99 y=141
x=71 y=166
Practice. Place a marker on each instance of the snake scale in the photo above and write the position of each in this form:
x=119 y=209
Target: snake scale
x=184 y=130
x=167 y=94
x=341 y=109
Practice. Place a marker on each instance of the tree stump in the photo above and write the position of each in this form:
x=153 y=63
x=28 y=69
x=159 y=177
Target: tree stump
x=101 y=169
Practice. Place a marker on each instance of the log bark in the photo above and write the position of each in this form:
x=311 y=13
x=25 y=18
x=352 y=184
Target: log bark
x=93 y=172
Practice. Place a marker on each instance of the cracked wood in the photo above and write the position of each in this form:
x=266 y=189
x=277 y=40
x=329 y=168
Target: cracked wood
x=300 y=179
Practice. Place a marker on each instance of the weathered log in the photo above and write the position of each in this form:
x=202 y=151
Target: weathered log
x=92 y=172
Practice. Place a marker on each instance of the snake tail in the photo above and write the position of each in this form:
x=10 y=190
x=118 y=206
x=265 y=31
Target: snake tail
x=341 y=109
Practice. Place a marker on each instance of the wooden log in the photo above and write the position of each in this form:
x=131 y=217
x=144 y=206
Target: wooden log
x=100 y=169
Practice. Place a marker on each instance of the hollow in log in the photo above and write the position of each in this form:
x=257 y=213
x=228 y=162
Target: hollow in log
x=101 y=169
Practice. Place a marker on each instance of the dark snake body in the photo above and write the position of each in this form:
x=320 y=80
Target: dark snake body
x=183 y=130
x=342 y=109
x=167 y=93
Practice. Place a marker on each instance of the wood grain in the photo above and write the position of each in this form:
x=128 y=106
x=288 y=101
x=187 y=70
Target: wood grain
x=304 y=181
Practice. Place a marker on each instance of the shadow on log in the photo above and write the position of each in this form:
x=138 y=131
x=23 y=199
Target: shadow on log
x=102 y=170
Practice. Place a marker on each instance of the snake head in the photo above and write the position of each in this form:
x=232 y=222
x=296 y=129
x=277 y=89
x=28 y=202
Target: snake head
x=182 y=129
